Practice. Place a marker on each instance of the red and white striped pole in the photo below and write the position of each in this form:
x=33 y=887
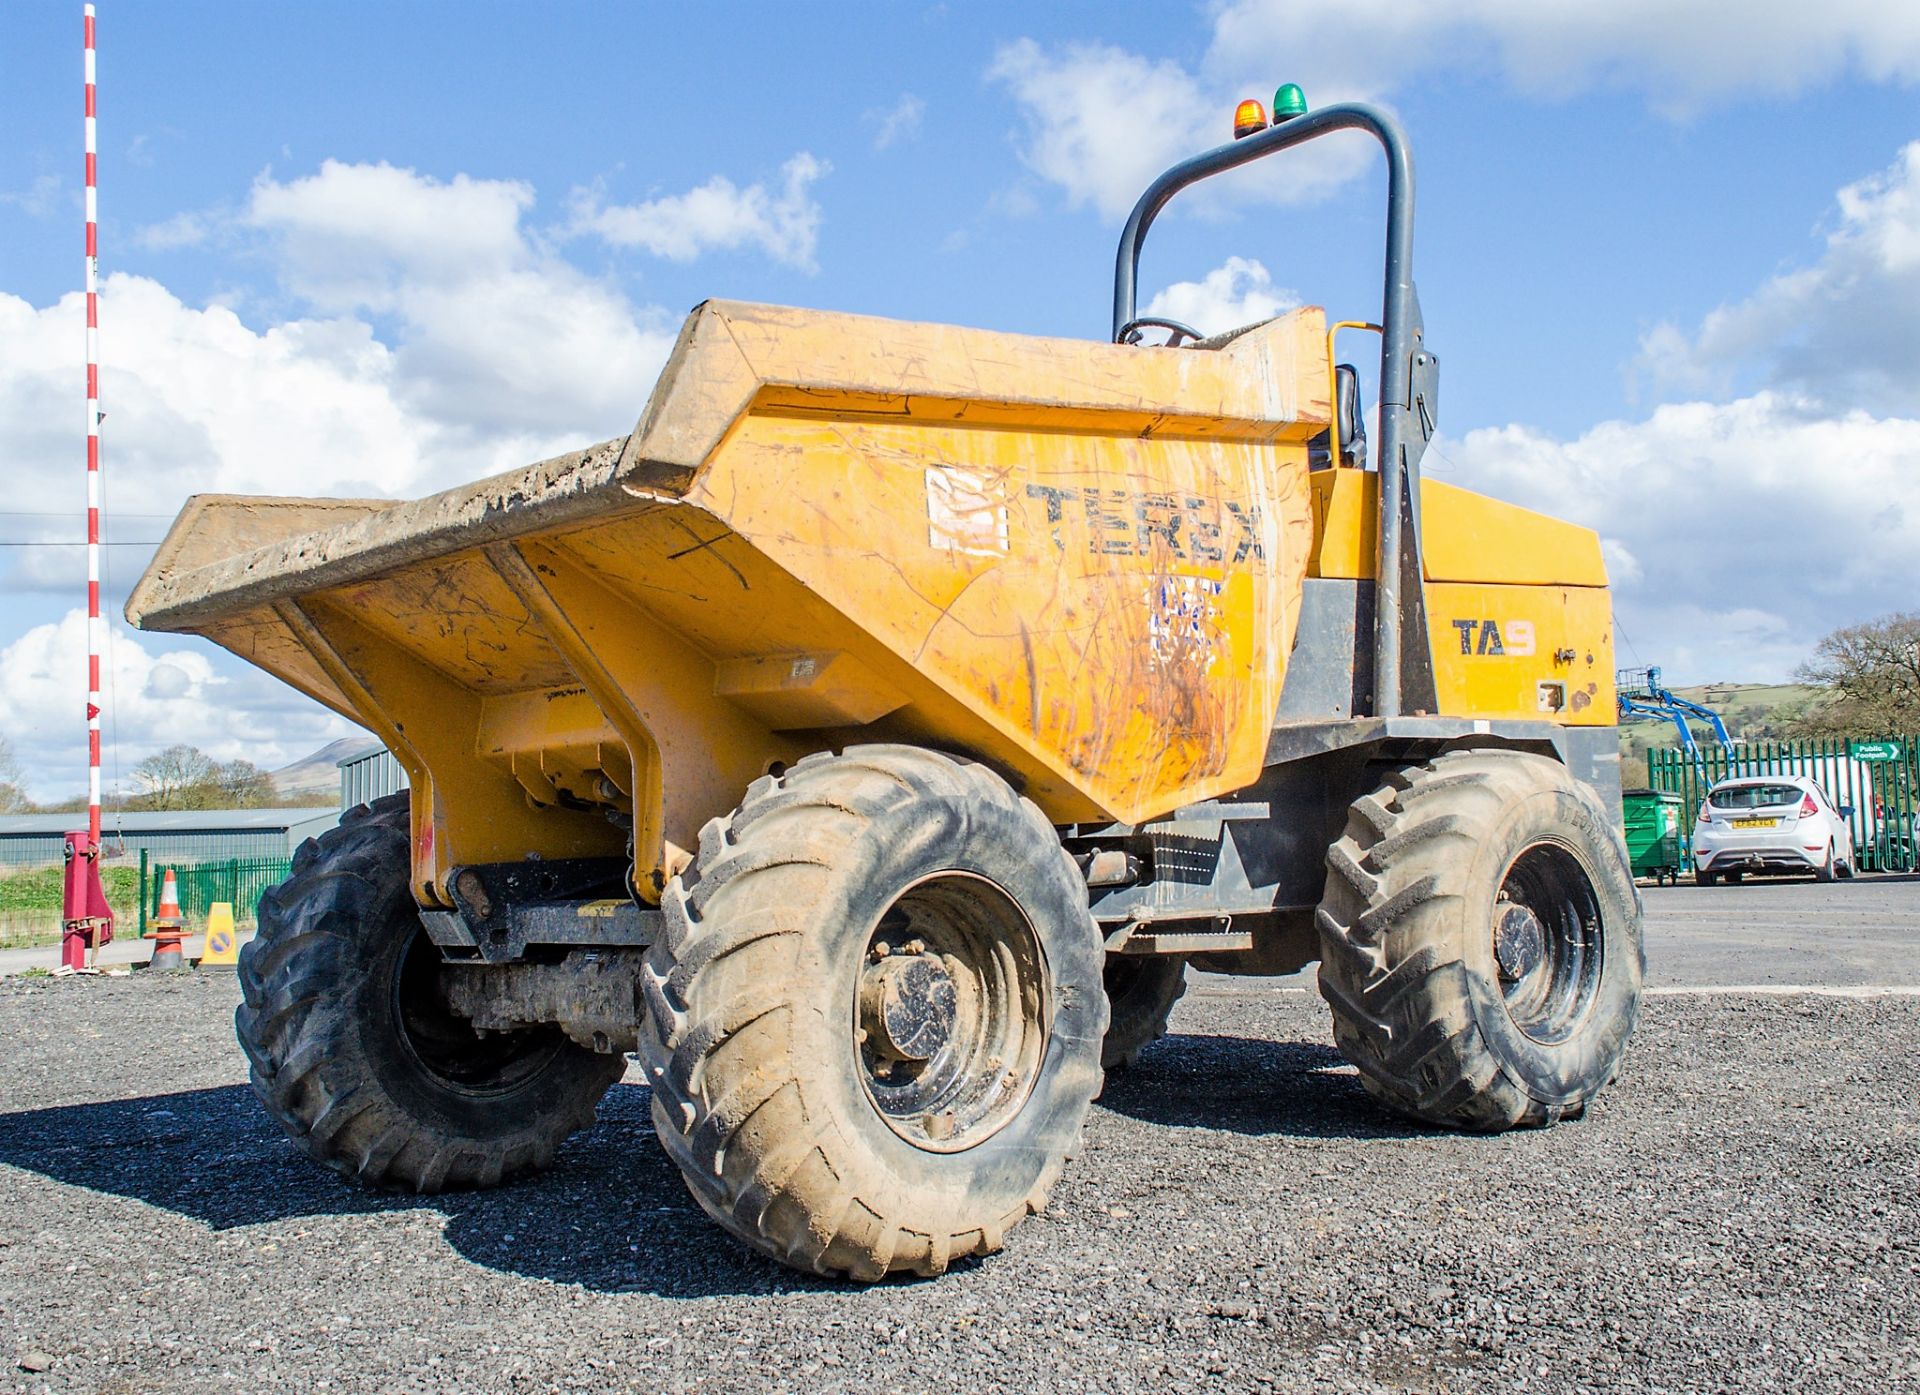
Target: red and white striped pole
x=93 y=463
x=82 y=929
x=87 y=919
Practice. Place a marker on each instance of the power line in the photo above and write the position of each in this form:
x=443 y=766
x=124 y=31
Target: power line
x=68 y=513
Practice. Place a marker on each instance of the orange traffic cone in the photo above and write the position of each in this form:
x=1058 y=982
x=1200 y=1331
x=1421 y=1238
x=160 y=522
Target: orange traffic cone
x=169 y=928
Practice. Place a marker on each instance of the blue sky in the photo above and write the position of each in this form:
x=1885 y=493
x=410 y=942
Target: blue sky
x=1671 y=262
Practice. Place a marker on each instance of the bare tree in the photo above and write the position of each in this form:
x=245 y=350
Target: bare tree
x=240 y=784
x=186 y=777
x=13 y=798
x=180 y=777
x=1869 y=679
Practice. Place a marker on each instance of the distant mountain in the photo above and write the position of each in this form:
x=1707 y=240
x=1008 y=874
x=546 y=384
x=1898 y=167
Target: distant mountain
x=319 y=773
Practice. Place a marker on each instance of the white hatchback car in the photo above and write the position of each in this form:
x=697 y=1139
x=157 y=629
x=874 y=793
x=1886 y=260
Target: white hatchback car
x=1770 y=823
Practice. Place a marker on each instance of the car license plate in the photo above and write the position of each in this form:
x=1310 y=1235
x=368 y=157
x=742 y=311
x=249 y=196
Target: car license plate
x=1755 y=823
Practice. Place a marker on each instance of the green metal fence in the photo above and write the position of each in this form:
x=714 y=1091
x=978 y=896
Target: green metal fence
x=1878 y=780
x=240 y=880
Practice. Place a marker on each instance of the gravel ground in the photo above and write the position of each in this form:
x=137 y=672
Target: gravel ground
x=1740 y=1211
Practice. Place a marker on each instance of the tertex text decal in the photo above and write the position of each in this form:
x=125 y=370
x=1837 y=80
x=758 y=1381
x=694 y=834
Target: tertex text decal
x=1120 y=522
x=967 y=512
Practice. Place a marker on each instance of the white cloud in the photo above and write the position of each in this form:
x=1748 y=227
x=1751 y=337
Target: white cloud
x=1845 y=330
x=350 y=236
x=1623 y=568
x=1239 y=292
x=56 y=565
x=500 y=344
x=187 y=229
x=158 y=689
x=784 y=223
x=196 y=400
x=434 y=339
x=899 y=122
x=1101 y=121
x=427 y=336
x=1680 y=57
x=1737 y=534
x=40 y=199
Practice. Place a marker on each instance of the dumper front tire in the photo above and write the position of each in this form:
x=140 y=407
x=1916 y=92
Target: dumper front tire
x=873 y=1018
x=1141 y=991
x=1480 y=939
x=352 y=1047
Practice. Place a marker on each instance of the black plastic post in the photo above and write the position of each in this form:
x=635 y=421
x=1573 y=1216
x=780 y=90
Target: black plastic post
x=1399 y=316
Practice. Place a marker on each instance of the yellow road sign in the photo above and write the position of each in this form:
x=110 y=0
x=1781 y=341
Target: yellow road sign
x=223 y=945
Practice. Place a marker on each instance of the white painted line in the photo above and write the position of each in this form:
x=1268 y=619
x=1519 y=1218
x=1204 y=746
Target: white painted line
x=1788 y=990
x=1716 y=990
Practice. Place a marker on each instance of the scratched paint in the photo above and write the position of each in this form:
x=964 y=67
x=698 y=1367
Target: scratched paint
x=1118 y=608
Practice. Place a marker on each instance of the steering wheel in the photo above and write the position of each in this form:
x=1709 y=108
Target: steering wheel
x=1176 y=332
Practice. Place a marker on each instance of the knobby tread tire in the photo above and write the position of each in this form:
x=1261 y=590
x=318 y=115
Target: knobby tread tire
x=329 y=1062
x=1405 y=931
x=756 y=1095
x=1141 y=993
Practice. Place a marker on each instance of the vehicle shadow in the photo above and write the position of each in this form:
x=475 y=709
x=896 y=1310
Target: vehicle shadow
x=610 y=1215
x=1303 y=1089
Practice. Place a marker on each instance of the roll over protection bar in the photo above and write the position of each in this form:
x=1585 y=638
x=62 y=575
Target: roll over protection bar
x=1402 y=661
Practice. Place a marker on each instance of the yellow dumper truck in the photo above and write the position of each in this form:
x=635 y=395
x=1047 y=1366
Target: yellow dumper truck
x=873 y=739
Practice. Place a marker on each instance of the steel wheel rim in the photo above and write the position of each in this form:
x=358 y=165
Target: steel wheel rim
x=1548 y=945
x=444 y=1046
x=950 y=1012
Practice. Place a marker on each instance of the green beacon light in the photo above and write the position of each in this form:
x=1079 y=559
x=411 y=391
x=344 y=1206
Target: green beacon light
x=1288 y=102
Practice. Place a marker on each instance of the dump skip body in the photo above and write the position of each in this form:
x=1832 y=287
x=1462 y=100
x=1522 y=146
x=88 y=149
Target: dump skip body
x=1079 y=562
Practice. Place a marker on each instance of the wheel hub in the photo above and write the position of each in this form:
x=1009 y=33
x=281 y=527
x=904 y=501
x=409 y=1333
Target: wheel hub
x=1519 y=941
x=949 y=1012
x=908 y=1005
x=1548 y=941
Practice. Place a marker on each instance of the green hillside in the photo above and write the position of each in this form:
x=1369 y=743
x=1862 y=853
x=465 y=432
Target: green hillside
x=1751 y=711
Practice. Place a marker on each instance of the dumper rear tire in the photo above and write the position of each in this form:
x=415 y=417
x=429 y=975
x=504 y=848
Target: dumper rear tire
x=1141 y=991
x=873 y=1018
x=1480 y=938
x=352 y=1047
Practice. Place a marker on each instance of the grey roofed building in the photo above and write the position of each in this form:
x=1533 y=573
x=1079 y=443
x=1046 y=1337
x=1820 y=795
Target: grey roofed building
x=181 y=836
x=367 y=775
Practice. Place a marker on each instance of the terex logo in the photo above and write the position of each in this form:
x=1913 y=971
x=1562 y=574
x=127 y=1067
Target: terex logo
x=1120 y=522
x=1486 y=637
